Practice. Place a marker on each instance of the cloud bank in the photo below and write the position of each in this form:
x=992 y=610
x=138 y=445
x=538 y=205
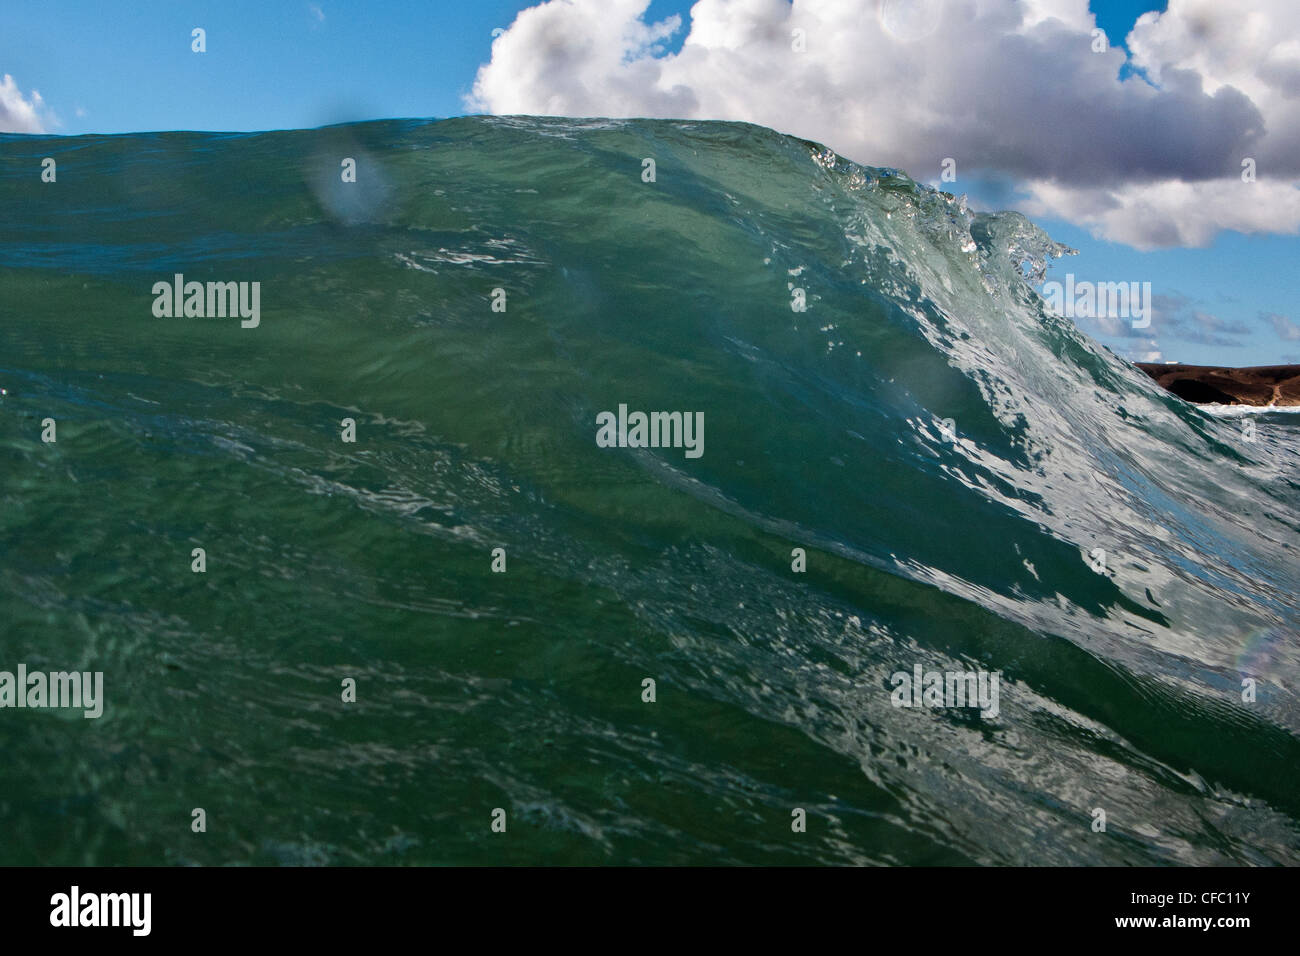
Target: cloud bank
x=1145 y=148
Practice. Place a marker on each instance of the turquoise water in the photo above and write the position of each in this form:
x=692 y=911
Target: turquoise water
x=1121 y=690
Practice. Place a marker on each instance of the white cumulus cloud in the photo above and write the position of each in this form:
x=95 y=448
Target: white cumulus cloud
x=18 y=113
x=1010 y=89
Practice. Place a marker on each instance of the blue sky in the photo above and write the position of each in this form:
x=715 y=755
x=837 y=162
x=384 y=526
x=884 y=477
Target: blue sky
x=274 y=64
x=270 y=64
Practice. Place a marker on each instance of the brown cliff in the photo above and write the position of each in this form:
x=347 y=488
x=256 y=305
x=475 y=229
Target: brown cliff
x=1258 y=385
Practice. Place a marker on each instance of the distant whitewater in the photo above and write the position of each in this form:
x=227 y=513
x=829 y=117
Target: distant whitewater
x=1236 y=411
x=911 y=468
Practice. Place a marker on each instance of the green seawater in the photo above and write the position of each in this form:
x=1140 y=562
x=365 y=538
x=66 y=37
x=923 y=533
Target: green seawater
x=961 y=550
